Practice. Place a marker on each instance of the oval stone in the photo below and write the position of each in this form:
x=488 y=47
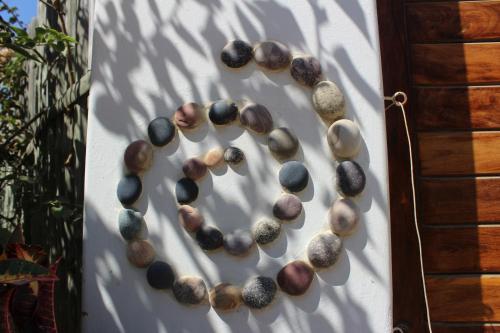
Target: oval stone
x=129 y=189
x=236 y=54
x=190 y=218
x=257 y=118
x=140 y=253
x=282 y=143
x=266 y=231
x=225 y=297
x=259 y=292
x=324 y=250
x=343 y=216
x=160 y=275
x=130 y=223
x=138 y=156
x=351 y=179
x=295 y=278
x=272 y=55
x=186 y=191
x=344 y=138
x=328 y=101
x=161 y=131
x=288 y=207
x=190 y=290
x=209 y=238
x=293 y=176
x=223 y=112
x=233 y=155
x=238 y=242
x=213 y=157
x=194 y=168
x=188 y=116
x=306 y=70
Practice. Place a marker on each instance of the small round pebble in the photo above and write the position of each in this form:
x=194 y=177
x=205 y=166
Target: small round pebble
x=266 y=231
x=257 y=118
x=209 y=238
x=160 y=275
x=188 y=116
x=324 y=250
x=306 y=70
x=295 y=278
x=328 y=101
x=194 y=168
x=288 y=207
x=140 y=253
x=225 y=297
x=190 y=218
x=161 y=131
x=186 y=191
x=351 y=179
x=138 y=156
x=238 y=242
x=213 y=157
x=282 y=143
x=272 y=55
x=259 y=292
x=236 y=54
x=130 y=223
x=344 y=138
x=233 y=155
x=129 y=189
x=293 y=176
x=190 y=290
x=223 y=112
x=343 y=216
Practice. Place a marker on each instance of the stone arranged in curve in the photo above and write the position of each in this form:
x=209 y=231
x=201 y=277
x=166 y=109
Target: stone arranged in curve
x=257 y=118
x=129 y=189
x=351 y=179
x=295 y=277
x=328 y=101
x=343 y=217
x=288 y=207
x=186 y=191
x=272 y=55
x=161 y=131
x=236 y=54
x=324 y=250
x=259 y=292
x=282 y=143
x=344 y=138
x=225 y=297
x=233 y=155
x=306 y=70
x=293 y=176
x=138 y=156
x=160 y=275
x=223 y=112
x=266 y=231
x=190 y=290
x=188 y=116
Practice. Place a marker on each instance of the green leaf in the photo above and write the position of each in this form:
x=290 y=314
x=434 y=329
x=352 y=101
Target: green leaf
x=20 y=32
x=15 y=271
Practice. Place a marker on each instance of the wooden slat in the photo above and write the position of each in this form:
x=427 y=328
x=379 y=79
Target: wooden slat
x=471 y=328
x=457 y=108
x=459 y=200
x=464 y=298
x=456 y=63
x=461 y=250
x=452 y=21
x=459 y=153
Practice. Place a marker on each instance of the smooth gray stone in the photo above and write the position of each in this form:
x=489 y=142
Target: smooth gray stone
x=324 y=250
x=186 y=191
x=257 y=118
x=236 y=54
x=259 y=292
x=209 y=238
x=293 y=176
x=223 y=112
x=190 y=290
x=233 y=155
x=328 y=101
x=239 y=242
x=266 y=231
x=344 y=138
x=351 y=179
x=129 y=189
x=130 y=223
x=160 y=275
x=343 y=216
x=282 y=143
x=288 y=207
x=161 y=131
x=272 y=55
x=306 y=70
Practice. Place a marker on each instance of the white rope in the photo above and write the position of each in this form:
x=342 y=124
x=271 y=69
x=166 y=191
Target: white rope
x=400 y=103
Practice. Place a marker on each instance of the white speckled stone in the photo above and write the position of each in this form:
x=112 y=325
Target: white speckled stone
x=328 y=101
x=324 y=250
x=266 y=231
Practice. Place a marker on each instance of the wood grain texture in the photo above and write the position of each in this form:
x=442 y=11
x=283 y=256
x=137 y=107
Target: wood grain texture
x=452 y=21
x=459 y=153
x=464 y=298
x=471 y=328
x=461 y=250
x=457 y=108
x=459 y=200
x=455 y=63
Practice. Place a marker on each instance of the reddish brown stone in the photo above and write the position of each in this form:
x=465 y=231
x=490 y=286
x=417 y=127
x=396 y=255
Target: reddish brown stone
x=190 y=218
x=140 y=253
x=138 y=156
x=188 y=116
x=194 y=168
x=295 y=278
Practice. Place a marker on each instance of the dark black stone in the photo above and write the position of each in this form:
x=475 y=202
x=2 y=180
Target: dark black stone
x=186 y=191
x=209 y=238
x=293 y=176
x=351 y=179
x=160 y=275
x=233 y=155
x=161 y=131
x=223 y=112
x=236 y=53
x=129 y=189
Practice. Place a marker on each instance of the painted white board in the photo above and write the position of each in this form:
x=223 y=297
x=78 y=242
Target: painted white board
x=151 y=56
